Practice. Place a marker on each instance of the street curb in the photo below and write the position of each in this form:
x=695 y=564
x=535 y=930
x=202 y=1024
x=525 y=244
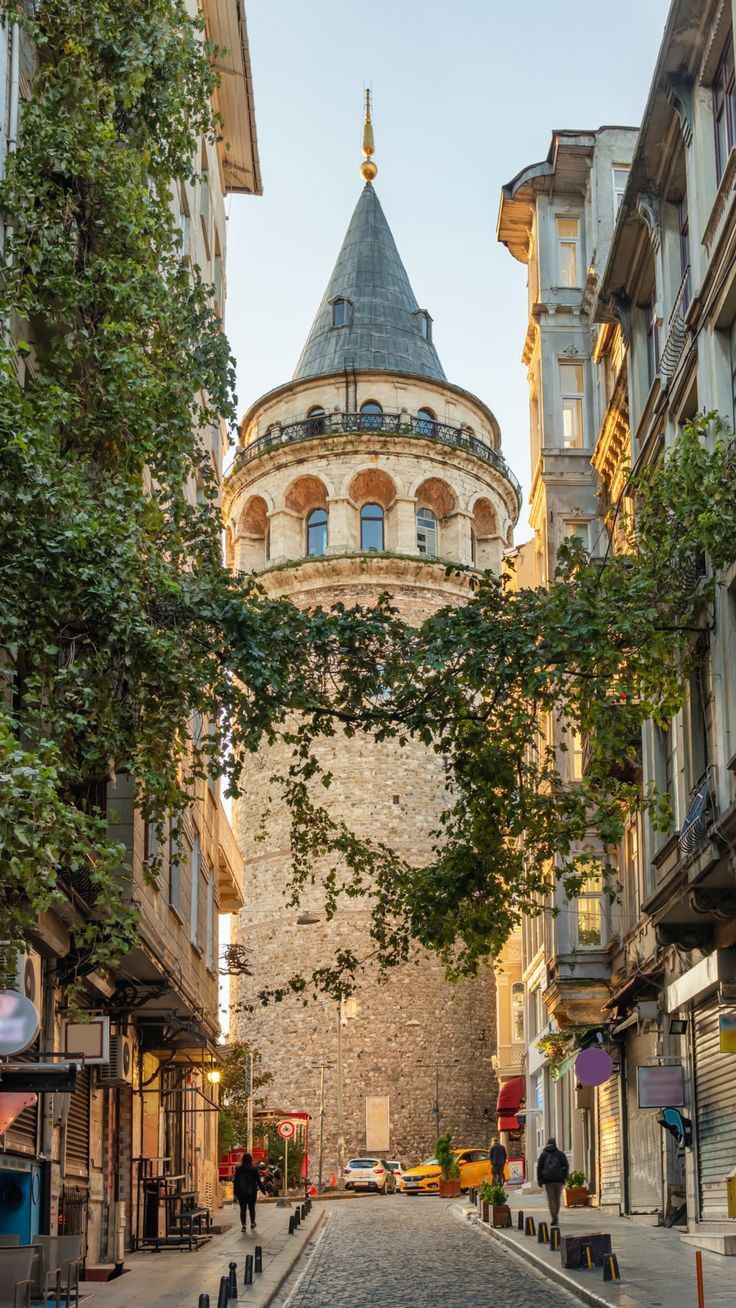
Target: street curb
x=525 y=1255
x=293 y=1261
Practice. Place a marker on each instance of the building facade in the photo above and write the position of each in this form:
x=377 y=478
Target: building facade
x=146 y=1100
x=557 y=217
x=667 y=350
x=368 y=472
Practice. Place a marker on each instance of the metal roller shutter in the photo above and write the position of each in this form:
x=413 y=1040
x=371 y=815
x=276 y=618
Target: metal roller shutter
x=22 y=1134
x=715 y=1113
x=644 y=1144
x=77 y=1123
x=609 y=1142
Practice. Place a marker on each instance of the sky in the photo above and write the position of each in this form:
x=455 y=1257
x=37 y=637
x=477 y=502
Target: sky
x=465 y=94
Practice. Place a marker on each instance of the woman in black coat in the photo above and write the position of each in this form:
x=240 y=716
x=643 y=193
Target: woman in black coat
x=246 y=1184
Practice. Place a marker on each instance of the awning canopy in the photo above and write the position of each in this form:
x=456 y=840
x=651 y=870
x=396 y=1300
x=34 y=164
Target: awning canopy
x=509 y=1124
x=511 y=1095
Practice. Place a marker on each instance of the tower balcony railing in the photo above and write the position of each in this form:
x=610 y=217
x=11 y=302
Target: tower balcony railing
x=386 y=424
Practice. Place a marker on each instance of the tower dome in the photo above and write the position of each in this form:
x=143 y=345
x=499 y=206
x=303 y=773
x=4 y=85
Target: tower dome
x=367 y=472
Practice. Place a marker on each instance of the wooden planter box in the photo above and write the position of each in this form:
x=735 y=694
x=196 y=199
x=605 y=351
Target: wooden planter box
x=485 y=1210
x=449 y=1187
x=501 y=1215
x=576 y=1196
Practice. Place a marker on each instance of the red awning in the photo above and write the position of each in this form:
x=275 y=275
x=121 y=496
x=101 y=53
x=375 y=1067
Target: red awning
x=511 y=1095
x=508 y=1124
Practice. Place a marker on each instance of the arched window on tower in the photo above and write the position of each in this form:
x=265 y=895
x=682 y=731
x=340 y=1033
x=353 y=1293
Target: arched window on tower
x=424 y=323
x=339 y=313
x=371 y=416
x=425 y=422
x=371 y=527
x=317 y=531
x=427 y=533
x=316 y=421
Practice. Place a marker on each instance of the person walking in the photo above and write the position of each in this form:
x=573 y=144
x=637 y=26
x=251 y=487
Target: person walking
x=246 y=1184
x=498 y=1162
x=552 y=1170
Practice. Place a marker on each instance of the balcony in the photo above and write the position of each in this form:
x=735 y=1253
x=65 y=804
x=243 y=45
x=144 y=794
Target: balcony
x=229 y=866
x=383 y=424
x=677 y=330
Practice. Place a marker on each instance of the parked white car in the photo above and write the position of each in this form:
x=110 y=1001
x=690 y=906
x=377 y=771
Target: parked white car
x=369 y=1174
x=395 y=1166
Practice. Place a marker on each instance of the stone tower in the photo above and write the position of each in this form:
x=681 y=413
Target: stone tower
x=367 y=472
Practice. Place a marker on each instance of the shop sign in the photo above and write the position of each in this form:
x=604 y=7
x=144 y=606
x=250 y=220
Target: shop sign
x=19 y=1023
x=660 y=1085
x=727 y=1032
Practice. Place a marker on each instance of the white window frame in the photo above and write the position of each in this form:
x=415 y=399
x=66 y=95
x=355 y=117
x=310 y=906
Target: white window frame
x=592 y=898
x=563 y=242
x=618 y=189
x=427 y=530
x=578 y=527
x=576 y=755
x=195 y=866
x=211 y=916
x=576 y=396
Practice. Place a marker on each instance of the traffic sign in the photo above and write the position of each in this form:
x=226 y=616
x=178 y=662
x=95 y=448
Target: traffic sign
x=286 y=1130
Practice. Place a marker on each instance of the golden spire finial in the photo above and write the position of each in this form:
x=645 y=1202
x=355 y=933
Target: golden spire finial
x=368 y=168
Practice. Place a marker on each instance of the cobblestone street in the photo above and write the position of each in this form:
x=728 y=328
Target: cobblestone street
x=402 y=1253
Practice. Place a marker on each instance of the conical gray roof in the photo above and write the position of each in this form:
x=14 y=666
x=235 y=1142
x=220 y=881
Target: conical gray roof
x=384 y=326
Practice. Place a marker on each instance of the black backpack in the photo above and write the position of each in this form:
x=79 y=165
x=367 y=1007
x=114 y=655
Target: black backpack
x=553 y=1166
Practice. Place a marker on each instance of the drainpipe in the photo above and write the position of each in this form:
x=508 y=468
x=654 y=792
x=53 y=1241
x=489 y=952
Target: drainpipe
x=14 y=88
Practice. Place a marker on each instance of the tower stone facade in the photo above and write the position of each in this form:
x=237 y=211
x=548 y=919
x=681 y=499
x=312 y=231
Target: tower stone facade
x=367 y=472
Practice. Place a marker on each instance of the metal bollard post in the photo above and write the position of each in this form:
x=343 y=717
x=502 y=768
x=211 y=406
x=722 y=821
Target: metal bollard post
x=297 y=1218
x=303 y=1211
x=204 y=1301
x=232 y=1281
x=610 y=1268
x=529 y=1227
x=520 y=1220
x=554 y=1238
x=222 y=1295
x=586 y=1259
x=292 y=1226
x=543 y=1233
x=248 y=1270
x=259 y=1258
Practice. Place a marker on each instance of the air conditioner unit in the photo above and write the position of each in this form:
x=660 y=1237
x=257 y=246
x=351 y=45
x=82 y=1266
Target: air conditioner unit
x=29 y=978
x=119 y=1069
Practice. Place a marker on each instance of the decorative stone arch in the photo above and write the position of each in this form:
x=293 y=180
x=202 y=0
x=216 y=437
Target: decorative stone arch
x=436 y=494
x=486 y=531
x=306 y=493
x=252 y=550
x=372 y=486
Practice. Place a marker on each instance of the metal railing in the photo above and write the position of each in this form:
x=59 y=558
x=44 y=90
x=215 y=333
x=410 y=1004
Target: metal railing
x=676 y=338
x=391 y=424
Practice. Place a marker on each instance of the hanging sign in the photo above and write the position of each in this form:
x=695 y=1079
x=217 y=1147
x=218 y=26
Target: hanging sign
x=661 y=1085
x=19 y=1023
x=727 y=1033
x=593 y=1067
x=286 y=1130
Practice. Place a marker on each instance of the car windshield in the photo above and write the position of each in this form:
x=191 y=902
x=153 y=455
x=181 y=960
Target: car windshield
x=394 y=1164
x=430 y=1162
x=362 y=1162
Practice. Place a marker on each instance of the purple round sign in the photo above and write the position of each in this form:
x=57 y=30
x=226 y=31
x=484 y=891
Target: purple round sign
x=593 y=1066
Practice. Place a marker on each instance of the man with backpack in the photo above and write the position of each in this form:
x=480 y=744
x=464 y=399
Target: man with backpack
x=498 y=1162
x=552 y=1170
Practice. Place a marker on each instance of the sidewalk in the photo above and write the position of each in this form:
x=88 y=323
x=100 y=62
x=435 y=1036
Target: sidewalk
x=657 y=1268
x=175 y=1278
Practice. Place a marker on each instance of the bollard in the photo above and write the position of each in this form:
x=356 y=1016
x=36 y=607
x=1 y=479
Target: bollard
x=699 y=1277
x=543 y=1233
x=554 y=1238
x=259 y=1258
x=248 y=1270
x=303 y=1211
x=222 y=1296
x=297 y=1218
x=292 y=1225
x=610 y=1269
x=586 y=1259
x=529 y=1227
x=520 y=1220
x=204 y=1301
x=232 y=1281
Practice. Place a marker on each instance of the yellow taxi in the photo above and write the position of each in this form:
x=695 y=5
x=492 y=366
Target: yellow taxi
x=474 y=1164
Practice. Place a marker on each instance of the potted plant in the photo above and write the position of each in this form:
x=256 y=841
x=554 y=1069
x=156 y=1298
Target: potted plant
x=445 y=1155
x=576 y=1190
x=495 y=1204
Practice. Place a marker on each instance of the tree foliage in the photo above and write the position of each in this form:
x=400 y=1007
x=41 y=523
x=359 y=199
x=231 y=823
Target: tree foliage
x=121 y=628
